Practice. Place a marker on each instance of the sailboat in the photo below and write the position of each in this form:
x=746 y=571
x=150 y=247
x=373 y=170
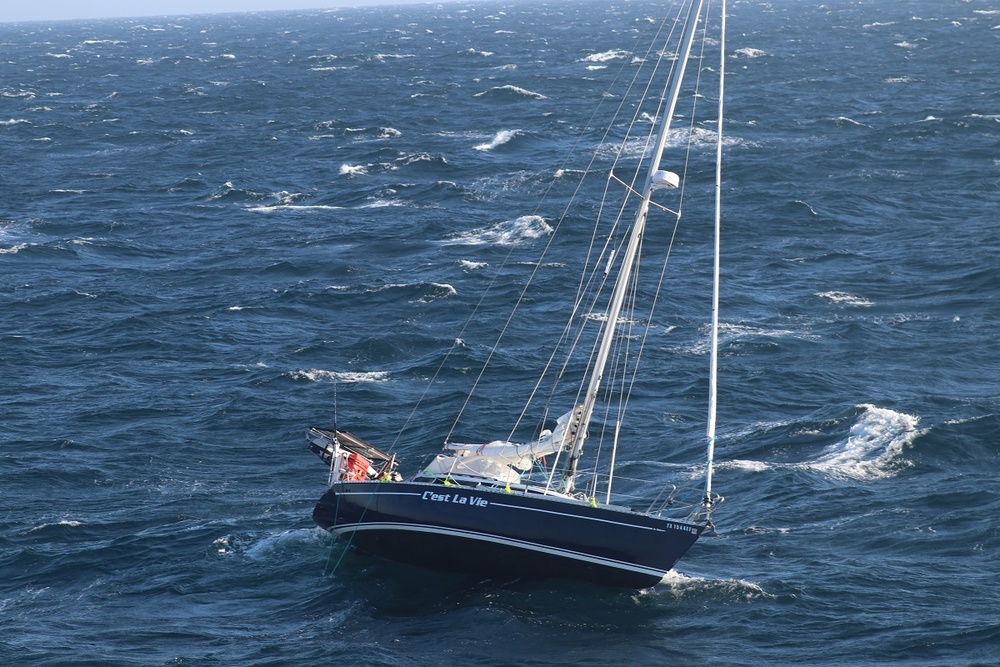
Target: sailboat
x=539 y=506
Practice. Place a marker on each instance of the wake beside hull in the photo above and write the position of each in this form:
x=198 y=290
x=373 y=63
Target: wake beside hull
x=489 y=532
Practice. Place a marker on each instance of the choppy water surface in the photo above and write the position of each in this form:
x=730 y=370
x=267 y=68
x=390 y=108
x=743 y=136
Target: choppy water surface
x=207 y=223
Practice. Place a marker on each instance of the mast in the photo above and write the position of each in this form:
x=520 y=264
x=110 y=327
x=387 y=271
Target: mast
x=714 y=372
x=631 y=252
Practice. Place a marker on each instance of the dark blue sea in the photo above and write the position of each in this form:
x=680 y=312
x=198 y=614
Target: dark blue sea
x=218 y=230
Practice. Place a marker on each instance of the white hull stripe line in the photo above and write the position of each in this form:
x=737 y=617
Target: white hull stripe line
x=483 y=537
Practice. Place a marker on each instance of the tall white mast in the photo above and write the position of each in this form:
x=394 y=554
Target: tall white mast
x=631 y=251
x=714 y=373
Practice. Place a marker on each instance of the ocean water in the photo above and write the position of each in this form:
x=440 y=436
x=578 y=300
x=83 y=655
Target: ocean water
x=216 y=231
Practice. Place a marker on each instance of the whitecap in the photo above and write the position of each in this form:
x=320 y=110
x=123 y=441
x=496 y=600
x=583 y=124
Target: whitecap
x=681 y=585
x=748 y=52
x=383 y=203
x=382 y=57
x=745 y=465
x=436 y=291
x=317 y=375
x=14 y=121
x=851 y=121
x=499 y=139
x=13 y=250
x=70 y=523
x=512 y=90
x=470 y=265
x=605 y=56
x=353 y=170
x=507 y=232
x=845 y=298
x=728 y=333
x=272 y=208
x=874 y=448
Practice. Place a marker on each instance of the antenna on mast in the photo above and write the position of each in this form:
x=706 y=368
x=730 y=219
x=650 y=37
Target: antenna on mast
x=334 y=405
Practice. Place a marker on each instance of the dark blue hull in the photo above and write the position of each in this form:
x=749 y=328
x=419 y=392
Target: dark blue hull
x=489 y=532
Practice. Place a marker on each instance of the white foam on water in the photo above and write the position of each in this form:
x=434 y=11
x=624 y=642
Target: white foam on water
x=605 y=56
x=70 y=523
x=499 y=139
x=470 y=265
x=317 y=375
x=681 y=585
x=728 y=333
x=750 y=53
x=512 y=89
x=268 y=546
x=845 y=298
x=508 y=232
x=746 y=465
x=353 y=170
x=293 y=207
x=874 y=449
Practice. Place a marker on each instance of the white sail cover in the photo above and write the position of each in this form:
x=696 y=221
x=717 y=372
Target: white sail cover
x=502 y=460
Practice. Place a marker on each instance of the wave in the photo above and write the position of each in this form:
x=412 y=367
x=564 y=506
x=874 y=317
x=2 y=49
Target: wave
x=274 y=208
x=317 y=375
x=845 y=298
x=378 y=132
x=229 y=192
x=353 y=170
x=509 y=232
x=499 y=139
x=698 y=136
x=469 y=265
x=511 y=93
x=605 y=56
x=425 y=292
x=59 y=525
x=844 y=120
x=739 y=333
x=423 y=160
x=874 y=449
x=268 y=546
x=681 y=585
x=748 y=52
